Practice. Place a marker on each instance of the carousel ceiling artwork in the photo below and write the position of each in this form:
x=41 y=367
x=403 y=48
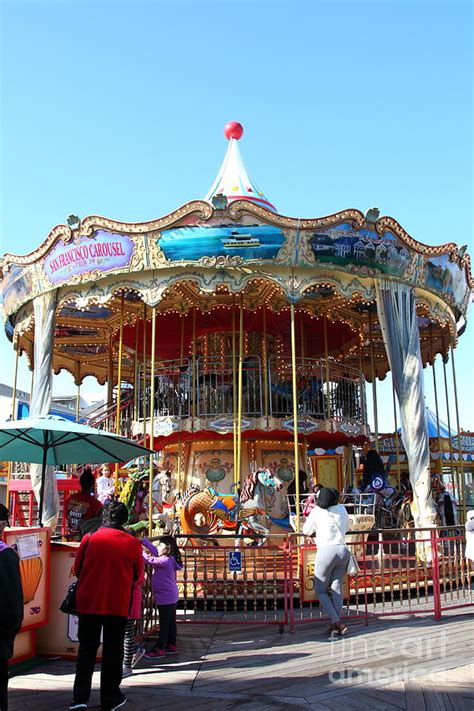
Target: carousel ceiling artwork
x=231 y=249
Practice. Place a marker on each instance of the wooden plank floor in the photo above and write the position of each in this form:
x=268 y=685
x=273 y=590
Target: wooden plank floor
x=412 y=663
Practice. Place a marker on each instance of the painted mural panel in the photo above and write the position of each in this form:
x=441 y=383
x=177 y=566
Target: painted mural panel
x=343 y=245
x=17 y=286
x=446 y=277
x=213 y=467
x=280 y=462
x=191 y=243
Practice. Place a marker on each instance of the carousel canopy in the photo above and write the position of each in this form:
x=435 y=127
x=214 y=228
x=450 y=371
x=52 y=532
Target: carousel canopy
x=232 y=180
x=200 y=263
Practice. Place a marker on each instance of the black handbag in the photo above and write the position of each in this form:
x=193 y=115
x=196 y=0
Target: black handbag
x=69 y=604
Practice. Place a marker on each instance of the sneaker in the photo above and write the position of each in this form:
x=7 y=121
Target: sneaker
x=76 y=706
x=171 y=649
x=155 y=652
x=139 y=654
x=120 y=704
x=127 y=671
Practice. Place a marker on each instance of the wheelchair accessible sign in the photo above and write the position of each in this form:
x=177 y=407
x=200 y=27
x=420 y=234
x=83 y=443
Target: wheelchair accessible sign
x=234 y=561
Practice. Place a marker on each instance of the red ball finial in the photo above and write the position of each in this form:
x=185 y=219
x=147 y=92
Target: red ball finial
x=233 y=129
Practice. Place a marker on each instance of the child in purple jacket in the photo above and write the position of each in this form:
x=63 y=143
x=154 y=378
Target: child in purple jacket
x=165 y=560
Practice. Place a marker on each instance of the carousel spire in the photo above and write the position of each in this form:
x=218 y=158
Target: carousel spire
x=233 y=181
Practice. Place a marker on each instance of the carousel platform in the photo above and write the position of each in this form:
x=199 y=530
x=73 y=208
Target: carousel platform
x=398 y=663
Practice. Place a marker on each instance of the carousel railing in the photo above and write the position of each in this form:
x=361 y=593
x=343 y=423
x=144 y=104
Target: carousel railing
x=354 y=503
x=106 y=417
x=172 y=389
x=216 y=385
x=403 y=572
x=324 y=390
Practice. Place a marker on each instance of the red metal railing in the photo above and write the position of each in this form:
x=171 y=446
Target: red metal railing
x=401 y=572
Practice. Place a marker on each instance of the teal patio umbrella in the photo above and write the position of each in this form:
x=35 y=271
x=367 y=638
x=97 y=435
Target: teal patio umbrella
x=55 y=440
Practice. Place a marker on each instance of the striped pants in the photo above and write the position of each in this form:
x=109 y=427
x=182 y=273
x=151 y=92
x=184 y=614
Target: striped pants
x=129 y=644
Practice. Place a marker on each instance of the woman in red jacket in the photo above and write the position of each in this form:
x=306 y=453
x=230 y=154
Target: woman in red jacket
x=107 y=565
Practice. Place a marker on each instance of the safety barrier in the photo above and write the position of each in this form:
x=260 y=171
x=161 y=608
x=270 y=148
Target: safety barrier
x=401 y=572
x=231 y=583
x=272 y=582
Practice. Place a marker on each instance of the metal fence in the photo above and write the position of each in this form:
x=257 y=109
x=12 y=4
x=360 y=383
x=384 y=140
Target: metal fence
x=255 y=591
x=401 y=572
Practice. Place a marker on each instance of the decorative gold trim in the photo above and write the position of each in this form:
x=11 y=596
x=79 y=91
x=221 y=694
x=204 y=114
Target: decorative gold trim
x=203 y=210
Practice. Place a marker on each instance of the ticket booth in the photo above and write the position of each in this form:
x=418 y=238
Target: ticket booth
x=33 y=548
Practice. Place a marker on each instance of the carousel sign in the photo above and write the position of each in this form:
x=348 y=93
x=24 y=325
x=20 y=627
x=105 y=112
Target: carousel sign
x=465 y=443
x=103 y=252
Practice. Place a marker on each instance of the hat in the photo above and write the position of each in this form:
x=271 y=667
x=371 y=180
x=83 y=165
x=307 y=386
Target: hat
x=4 y=513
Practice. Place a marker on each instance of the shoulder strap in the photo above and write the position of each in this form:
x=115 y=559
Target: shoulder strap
x=337 y=525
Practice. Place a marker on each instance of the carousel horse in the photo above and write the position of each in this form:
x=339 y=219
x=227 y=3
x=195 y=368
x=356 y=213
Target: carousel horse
x=253 y=497
x=208 y=511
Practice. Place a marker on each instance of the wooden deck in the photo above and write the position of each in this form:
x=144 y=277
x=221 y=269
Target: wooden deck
x=412 y=663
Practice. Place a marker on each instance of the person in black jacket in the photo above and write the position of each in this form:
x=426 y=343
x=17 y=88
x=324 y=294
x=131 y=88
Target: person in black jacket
x=11 y=606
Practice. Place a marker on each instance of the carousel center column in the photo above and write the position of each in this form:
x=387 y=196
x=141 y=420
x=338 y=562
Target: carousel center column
x=44 y=308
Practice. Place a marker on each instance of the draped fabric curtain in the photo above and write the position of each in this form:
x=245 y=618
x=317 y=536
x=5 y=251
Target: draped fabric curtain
x=44 y=308
x=397 y=316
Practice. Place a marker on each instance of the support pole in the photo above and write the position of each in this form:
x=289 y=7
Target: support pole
x=451 y=465
x=265 y=364
x=119 y=385
x=135 y=372
x=397 y=439
x=144 y=376
x=194 y=383
x=374 y=384
x=462 y=483
x=239 y=395
x=78 y=403
x=152 y=420
x=295 y=415
x=181 y=391
x=326 y=360
x=110 y=383
x=13 y=417
x=234 y=394
x=435 y=388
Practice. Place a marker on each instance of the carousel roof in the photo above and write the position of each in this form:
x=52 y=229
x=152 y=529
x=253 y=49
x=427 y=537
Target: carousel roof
x=233 y=181
x=208 y=257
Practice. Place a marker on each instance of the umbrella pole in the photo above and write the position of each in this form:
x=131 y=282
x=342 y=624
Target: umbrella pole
x=43 y=478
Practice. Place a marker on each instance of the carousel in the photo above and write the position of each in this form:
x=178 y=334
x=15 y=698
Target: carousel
x=238 y=343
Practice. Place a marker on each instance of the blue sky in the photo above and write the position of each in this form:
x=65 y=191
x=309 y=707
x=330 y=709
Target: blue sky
x=117 y=108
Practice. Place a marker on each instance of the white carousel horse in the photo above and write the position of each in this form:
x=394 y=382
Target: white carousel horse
x=163 y=498
x=252 y=496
